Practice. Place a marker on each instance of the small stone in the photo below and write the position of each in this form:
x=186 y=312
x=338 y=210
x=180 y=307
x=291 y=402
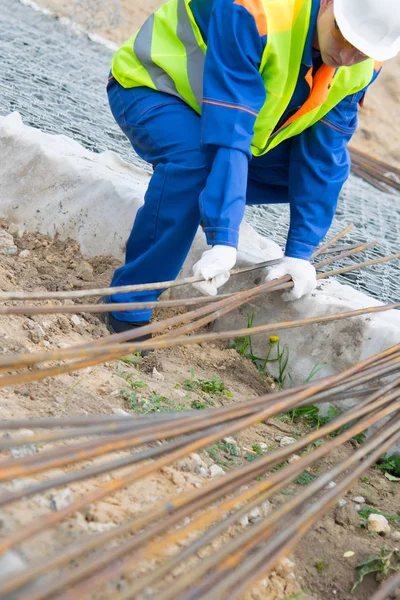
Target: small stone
x=24 y=254
x=16 y=230
x=359 y=500
x=11 y=251
x=263 y=446
x=255 y=515
x=331 y=485
x=75 y=320
x=100 y=527
x=216 y=471
x=347 y=516
x=244 y=521
x=230 y=440
x=286 y=441
x=36 y=335
x=358 y=507
x=120 y=412
x=6 y=242
x=61 y=499
x=342 y=502
x=197 y=460
x=285 y=567
x=84 y=271
x=294 y=458
x=63 y=323
x=266 y=508
x=157 y=376
x=348 y=554
x=11 y=563
x=202 y=471
x=395 y=535
x=25 y=449
x=378 y=523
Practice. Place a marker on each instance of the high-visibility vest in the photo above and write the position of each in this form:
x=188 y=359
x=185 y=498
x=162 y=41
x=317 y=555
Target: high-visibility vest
x=168 y=54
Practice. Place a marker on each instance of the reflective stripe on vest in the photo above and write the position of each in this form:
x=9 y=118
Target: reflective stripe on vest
x=168 y=54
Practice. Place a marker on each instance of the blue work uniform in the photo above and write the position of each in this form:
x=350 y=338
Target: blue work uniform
x=204 y=171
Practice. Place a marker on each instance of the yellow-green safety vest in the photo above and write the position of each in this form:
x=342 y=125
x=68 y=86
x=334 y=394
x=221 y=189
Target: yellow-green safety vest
x=168 y=54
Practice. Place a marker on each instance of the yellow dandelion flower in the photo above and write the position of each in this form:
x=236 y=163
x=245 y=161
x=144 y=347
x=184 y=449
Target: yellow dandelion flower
x=274 y=339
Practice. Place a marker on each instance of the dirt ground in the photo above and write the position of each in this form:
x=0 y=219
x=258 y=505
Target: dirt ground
x=316 y=571
x=379 y=129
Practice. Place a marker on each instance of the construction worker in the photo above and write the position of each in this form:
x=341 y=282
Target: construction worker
x=239 y=102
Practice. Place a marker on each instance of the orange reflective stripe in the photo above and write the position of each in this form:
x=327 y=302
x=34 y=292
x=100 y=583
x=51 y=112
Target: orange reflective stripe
x=231 y=106
x=256 y=9
x=309 y=77
x=319 y=93
x=331 y=126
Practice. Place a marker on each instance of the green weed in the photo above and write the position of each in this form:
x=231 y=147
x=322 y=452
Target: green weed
x=304 y=479
x=322 y=565
x=229 y=451
x=201 y=404
x=315 y=370
x=376 y=563
x=215 y=385
x=367 y=510
x=390 y=465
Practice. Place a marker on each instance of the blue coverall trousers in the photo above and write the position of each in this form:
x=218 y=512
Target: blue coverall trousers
x=165 y=132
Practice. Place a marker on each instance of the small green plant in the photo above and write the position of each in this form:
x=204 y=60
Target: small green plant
x=257 y=449
x=244 y=345
x=201 y=404
x=280 y=466
x=367 y=510
x=133 y=359
x=305 y=478
x=215 y=385
x=364 y=479
x=229 y=451
x=322 y=565
x=390 y=465
x=250 y=456
x=315 y=370
x=381 y=564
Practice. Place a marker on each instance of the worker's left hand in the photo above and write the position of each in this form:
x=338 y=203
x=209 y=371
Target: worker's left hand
x=214 y=266
x=302 y=273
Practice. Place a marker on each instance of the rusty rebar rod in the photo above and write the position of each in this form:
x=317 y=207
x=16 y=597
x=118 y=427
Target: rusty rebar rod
x=150 y=432
x=50 y=520
x=388 y=588
x=126 y=564
x=277 y=457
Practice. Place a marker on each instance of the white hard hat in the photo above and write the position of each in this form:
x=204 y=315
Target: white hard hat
x=372 y=26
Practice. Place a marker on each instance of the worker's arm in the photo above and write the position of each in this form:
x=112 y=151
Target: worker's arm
x=319 y=166
x=234 y=93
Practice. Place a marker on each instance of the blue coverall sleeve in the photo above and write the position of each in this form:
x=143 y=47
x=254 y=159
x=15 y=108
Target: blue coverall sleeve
x=319 y=166
x=234 y=93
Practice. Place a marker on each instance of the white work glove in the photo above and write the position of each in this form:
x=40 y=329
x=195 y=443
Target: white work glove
x=302 y=273
x=214 y=266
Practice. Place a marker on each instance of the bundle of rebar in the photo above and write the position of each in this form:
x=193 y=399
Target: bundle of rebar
x=378 y=173
x=168 y=552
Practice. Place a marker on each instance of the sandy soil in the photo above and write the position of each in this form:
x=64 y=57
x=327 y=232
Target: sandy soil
x=55 y=265
x=379 y=129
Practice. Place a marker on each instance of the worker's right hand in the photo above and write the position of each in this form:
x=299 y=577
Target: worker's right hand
x=214 y=266
x=302 y=273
